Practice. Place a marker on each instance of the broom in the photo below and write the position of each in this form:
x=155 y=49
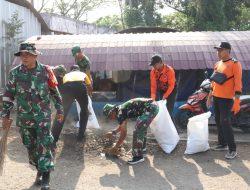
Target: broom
x=3 y=143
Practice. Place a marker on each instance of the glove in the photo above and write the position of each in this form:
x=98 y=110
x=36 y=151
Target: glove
x=59 y=117
x=236 y=106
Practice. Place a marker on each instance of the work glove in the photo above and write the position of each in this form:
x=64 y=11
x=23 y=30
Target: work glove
x=60 y=118
x=236 y=106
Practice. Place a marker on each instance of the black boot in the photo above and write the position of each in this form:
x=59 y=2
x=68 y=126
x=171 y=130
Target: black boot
x=38 y=180
x=45 y=181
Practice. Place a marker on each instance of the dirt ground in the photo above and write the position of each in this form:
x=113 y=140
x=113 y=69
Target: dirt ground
x=87 y=168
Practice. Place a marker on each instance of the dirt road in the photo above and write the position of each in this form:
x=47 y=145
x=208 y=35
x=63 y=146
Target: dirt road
x=86 y=169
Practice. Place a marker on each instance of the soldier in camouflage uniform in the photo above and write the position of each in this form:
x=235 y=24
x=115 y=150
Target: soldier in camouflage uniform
x=82 y=61
x=59 y=72
x=33 y=84
x=145 y=111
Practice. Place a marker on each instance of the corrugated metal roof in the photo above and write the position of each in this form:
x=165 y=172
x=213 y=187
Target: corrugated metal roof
x=182 y=50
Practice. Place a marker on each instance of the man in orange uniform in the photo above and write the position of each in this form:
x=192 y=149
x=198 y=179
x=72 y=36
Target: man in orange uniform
x=226 y=97
x=162 y=79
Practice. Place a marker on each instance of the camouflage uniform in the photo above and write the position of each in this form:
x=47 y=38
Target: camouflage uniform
x=145 y=111
x=84 y=64
x=33 y=93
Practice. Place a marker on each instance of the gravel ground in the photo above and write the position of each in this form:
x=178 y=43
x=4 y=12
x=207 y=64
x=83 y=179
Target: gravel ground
x=87 y=168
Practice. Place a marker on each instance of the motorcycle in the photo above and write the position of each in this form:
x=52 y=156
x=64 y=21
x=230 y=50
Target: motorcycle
x=196 y=104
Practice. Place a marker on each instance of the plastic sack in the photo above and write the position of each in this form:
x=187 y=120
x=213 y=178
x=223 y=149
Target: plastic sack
x=197 y=131
x=163 y=129
x=92 y=120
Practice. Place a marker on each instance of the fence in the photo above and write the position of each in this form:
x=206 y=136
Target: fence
x=6 y=55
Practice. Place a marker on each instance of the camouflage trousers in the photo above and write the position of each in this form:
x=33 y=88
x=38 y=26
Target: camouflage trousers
x=38 y=141
x=141 y=129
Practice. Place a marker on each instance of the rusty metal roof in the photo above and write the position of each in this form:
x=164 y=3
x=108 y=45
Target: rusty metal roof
x=182 y=50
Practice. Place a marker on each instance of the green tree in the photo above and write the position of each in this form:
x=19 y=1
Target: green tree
x=133 y=17
x=13 y=26
x=242 y=20
x=81 y=7
x=213 y=14
x=149 y=13
x=74 y=9
x=209 y=15
x=178 y=21
x=142 y=13
x=113 y=22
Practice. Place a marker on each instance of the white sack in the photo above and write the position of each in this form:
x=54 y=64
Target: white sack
x=92 y=120
x=197 y=131
x=163 y=128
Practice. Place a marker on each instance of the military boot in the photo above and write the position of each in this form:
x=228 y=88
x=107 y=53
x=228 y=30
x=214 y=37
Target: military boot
x=45 y=181
x=38 y=180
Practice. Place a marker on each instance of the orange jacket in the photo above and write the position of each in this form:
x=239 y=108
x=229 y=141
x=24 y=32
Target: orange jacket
x=228 y=89
x=162 y=80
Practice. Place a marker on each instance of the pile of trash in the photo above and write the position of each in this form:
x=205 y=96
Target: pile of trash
x=95 y=144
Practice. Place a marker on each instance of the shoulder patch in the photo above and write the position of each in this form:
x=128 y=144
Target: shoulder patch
x=52 y=82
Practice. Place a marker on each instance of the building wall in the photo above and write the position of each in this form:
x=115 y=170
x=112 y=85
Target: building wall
x=30 y=28
x=67 y=25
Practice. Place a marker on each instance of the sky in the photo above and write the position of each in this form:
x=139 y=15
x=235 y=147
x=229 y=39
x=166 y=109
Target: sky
x=111 y=8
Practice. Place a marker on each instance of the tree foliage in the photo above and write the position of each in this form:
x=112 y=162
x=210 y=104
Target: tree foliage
x=14 y=26
x=113 y=22
x=142 y=13
x=242 y=20
x=12 y=39
x=133 y=17
x=209 y=15
x=213 y=14
x=178 y=21
x=190 y=15
x=74 y=9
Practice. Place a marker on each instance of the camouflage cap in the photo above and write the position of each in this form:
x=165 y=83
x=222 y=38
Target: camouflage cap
x=27 y=47
x=108 y=108
x=75 y=50
x=59 y=70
